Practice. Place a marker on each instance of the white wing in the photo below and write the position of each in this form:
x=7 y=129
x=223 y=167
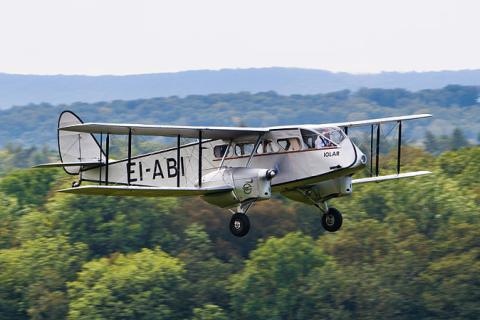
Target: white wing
x=166 y=131
x=390 y=177
x=144 y=191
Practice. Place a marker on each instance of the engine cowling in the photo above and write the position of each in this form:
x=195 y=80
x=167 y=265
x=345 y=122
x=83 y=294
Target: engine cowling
x=247 y=183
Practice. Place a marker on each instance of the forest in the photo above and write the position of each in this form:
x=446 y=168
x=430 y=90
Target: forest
x=453 y=106
x=408 y=249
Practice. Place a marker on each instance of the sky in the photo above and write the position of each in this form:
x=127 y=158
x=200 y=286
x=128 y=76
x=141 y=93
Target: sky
x=131 y=37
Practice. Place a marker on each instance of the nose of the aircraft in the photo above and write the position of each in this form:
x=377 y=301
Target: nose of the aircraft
x=361 y=158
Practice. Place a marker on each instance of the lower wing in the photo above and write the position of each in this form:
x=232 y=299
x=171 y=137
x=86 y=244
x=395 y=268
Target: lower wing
x=144 y=191
x=390 y=177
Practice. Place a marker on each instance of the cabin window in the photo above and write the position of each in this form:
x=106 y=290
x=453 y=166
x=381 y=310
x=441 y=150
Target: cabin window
x=309 y=138
x=244 y=149
x=219 y=151
x=290 y=144
x=267 y=146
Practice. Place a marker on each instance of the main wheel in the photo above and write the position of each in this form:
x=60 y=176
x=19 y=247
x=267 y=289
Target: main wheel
x=239 y=224
x=332 y=220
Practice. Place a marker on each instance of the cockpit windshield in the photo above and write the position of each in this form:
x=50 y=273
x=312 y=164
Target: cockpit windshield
x=324 y=138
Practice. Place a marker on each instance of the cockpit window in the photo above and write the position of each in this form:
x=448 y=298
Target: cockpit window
x=333 y=134
x=325 y=138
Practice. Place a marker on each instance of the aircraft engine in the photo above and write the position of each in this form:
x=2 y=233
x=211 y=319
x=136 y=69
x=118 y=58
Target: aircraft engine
x=247 y=183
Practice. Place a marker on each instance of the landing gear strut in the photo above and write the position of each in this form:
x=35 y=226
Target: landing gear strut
x=332 y=220
x=240 y=224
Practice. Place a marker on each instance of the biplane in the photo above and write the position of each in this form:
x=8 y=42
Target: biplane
x=230 y=167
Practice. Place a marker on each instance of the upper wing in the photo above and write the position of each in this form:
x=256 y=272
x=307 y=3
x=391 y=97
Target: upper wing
x=390 y=177
x=144 y=191
x=167 y=131
x=214 y=132
x=356 y=123
x=376 y=121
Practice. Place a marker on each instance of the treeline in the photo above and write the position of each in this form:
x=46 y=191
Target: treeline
x=408 y=250
x=453 y=107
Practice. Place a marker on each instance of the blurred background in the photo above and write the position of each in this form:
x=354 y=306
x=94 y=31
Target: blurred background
x=407 y=249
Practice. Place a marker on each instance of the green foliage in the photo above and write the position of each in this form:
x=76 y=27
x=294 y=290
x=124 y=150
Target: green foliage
x=408 y=249
x=269 y=287
x=34 y=277
x=146 y=285
x=209 y=312
x=452 y=106
x=198 y=255
x=29 y=186
x=9 y=215
x=110 y=224
x=437 y=145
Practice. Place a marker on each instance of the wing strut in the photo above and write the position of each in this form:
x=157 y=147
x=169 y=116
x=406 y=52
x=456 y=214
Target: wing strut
x=377 y=153
x=100 y=156
x=107 y=146
x=399 y=145
x=129 y=160
x=178 y=161
x=199 y=158
x=371 y=151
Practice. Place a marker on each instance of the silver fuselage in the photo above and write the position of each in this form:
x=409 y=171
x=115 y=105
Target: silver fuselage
x=302 y=167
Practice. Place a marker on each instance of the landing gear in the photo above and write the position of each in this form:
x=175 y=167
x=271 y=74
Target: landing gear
x=239 y=224
x=332 y=220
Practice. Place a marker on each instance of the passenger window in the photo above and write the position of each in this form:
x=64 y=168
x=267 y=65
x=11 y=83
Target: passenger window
x=290 y=144
x=309 y=138
x=244 y=149
x=239 y=149
x=267 y=146
x=219 y=151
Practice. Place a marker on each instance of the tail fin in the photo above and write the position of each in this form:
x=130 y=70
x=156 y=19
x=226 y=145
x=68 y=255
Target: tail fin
x=76 y=147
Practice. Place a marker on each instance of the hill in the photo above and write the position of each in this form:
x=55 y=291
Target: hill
x=24 y=89
x=452 y=106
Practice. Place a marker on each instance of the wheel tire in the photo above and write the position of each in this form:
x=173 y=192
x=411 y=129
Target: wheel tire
x=332 y=220
x=239 y=224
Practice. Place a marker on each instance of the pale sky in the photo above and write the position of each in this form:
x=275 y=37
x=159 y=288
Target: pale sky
x=142 y=36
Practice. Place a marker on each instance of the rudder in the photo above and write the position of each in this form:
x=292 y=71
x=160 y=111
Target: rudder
x=76 y=146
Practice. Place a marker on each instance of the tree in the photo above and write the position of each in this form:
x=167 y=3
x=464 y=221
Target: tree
x=209 y=312
x=29 y=186
x=451 y=280
x=9 y=212
x=430 y=142
x=458 y=140
x=272 y=282
x=207 y=287
x=110 y=224
x=146 y=285
x=34 y=276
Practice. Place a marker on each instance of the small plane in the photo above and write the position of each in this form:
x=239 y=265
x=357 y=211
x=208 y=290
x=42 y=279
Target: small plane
x=227 y=166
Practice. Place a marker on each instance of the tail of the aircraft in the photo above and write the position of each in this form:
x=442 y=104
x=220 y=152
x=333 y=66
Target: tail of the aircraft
x=77 y=150
x=77 y=147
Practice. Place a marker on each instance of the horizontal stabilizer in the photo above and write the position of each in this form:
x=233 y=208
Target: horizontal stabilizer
x=390 y=177
x=68 y=164
x=144 y=191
